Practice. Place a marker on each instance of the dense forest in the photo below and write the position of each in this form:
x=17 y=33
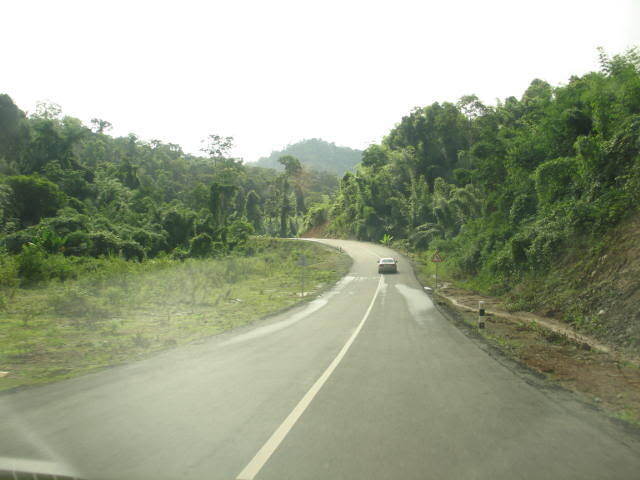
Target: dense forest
x=71 y=191
x=503 y=191
x=316 y=154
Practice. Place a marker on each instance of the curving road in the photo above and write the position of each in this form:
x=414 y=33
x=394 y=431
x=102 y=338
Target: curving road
x=367 y=382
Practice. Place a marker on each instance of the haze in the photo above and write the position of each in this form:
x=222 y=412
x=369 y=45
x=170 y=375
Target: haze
x=272 y=73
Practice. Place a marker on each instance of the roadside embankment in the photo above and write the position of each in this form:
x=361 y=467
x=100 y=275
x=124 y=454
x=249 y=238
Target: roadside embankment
x=599 y=374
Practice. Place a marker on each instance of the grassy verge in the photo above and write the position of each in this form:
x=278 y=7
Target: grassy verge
x=126 y=310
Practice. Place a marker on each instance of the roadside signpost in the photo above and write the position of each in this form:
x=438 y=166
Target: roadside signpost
x=302 y=262
x=436 y=258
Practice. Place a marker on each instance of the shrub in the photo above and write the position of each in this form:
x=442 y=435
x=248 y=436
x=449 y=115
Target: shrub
x=104 y=243
x=316 y=216
x=9 y=279
x=153 y=242
x=523 y=206
x=239 y=233
x=520 y=243
x=49 y=240
x=15 y=241
x=180 y=253
x=32 y=264
x=556 y=179
x=132 y=250
x=34 y=197
x=77 y=243
x=201 y=245
x=67 y=221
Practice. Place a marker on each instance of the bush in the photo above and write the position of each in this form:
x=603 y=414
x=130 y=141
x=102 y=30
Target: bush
x=34 y=197
x=104 y=243
x=132 y=250
x=180 y=253
x=15 y=241
x=9 y=279
x=201 y=246
x=35 y=266
x=77 y=243
x=31 y=264
x=523 y=207
x=316 y=216
x=49 y=240
x=153 y=242
x=67 y=221
x=556 y=179
x=239 y=233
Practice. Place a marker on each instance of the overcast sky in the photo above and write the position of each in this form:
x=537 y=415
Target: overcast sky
x=273 y=72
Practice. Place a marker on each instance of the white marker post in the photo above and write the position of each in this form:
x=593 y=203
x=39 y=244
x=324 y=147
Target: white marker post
x=302 y=262
x=436 y=258
x=480 y=314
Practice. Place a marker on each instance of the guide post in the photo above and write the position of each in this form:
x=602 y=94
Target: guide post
x=302 y=262
x=436 y=258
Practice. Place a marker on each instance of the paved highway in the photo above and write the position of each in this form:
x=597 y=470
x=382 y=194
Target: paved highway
x=367 y=382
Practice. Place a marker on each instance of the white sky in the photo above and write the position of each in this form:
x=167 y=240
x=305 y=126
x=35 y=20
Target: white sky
x=273 y=72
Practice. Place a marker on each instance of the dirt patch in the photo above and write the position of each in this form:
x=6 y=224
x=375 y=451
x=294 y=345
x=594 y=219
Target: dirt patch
x=318 y=231
x=607 y=380
x=469 y=301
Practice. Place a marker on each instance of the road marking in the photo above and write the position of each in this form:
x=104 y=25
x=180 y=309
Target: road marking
x=417 y=302
x=257 y=462
x=312 y=307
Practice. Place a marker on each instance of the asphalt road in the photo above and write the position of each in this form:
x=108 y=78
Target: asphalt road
x=367 y=382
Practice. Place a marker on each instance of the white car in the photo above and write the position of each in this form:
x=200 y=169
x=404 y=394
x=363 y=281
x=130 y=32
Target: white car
x=388 y=265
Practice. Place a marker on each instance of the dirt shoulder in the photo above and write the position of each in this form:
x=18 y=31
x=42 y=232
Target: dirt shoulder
x=601 y=375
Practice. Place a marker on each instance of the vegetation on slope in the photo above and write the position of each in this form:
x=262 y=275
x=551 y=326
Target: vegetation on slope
x=506 y=192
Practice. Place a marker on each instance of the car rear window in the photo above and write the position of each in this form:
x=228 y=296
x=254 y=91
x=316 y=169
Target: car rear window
x=387 y=260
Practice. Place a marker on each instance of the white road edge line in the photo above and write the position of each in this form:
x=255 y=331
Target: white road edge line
x=257 y=462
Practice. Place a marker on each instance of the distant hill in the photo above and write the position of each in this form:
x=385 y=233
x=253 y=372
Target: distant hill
x=318 y=155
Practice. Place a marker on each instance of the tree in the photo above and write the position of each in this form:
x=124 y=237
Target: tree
x=239 y=233
x=48 y=111
x=252 y=211
x=221 y=206
x=292 y=171
x=14 y=130
x=33 y=198
x=201 y=245
x=217 y=147
x=292 y=166
x=100 y=126
x=285 y=204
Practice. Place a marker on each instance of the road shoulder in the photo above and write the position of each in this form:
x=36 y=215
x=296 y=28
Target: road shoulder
x=553 y=359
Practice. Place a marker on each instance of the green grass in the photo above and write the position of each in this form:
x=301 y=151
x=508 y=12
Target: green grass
x=128 y=310
x=628 y=415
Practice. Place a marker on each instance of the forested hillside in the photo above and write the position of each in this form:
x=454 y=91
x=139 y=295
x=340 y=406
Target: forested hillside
x=318 y=155
x=506 y=192
x=70 y=191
